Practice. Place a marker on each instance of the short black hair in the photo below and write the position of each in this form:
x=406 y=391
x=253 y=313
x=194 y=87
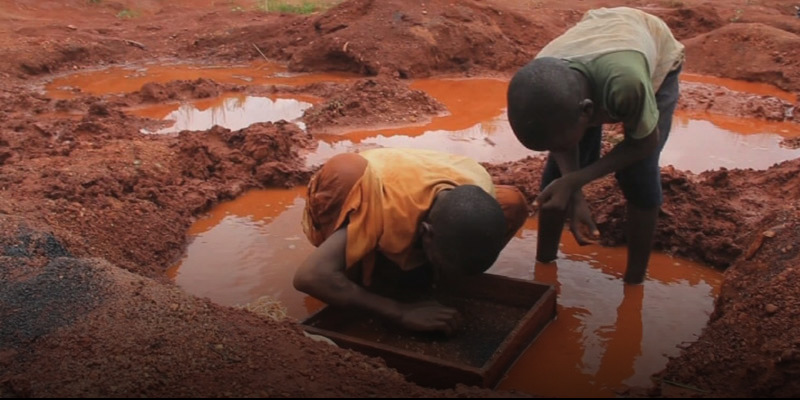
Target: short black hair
x=469 y=228
x=542 y=96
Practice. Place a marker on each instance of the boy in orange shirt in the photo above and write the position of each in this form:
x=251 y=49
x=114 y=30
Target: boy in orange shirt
x=416 y=209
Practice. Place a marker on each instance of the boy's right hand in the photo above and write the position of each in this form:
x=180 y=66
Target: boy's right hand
x=580 y=218
x=430 y=316
x=556 y=195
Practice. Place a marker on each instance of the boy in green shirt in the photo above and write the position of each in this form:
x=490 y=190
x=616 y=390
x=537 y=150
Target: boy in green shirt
x=616 y=65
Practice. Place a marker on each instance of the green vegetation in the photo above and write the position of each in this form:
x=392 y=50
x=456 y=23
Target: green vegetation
x=235 y=7
x=127 y=14
x=307 y=7
x=737 y=16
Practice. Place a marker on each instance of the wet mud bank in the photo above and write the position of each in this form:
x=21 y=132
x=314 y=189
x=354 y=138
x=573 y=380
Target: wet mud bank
x=76 y=325
x=102 y=193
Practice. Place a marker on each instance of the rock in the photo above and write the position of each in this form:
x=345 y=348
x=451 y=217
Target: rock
x=771 y=308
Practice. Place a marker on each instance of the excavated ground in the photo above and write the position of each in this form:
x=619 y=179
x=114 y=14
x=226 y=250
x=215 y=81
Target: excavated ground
x=92 y=211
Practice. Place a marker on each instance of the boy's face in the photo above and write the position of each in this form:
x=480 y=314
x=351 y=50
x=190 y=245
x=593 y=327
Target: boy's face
x=562 y=130
x=570 y=137
x=445 y=269
x=449 y=269
x=561 y=137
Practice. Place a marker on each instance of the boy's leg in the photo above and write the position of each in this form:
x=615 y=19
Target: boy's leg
x=640 y=227
x=641 y=184
x=551 y=223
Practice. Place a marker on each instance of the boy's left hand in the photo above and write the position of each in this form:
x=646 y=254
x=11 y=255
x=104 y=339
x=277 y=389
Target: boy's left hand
x=581 y=221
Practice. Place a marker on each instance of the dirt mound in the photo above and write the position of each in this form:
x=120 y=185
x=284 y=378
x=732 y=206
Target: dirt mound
x=371 y=37
x=692 y=224
x=111 y=333
x=689 y=21
x=68 y=54
x=750 y=347
x=265 y=151
x=753 y=51
x=79 y=176
x=782 y=15
x=153 y=92
x=318 y=90
x=372 y=102
x=35 y=126
x=701 y=97
x=705 y=217
x=791 y=143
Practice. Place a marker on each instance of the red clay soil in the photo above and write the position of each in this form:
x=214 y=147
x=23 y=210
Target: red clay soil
x=702 y=97
x=752 y=51
x=153 y=92
x=372 y=102
x=92 y=211
x=791 y=143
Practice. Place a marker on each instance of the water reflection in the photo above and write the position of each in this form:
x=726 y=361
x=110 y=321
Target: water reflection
x=607 y=335
x=234 y=112
x=699 y=145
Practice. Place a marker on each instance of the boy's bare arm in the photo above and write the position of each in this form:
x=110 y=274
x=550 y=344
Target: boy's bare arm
x=627 y=152
x=567 y=162
x=322 y=275
x=622 y=155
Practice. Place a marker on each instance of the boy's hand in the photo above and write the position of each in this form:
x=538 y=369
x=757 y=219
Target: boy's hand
x=556 y=195
x=430 y=316
x=581 y=217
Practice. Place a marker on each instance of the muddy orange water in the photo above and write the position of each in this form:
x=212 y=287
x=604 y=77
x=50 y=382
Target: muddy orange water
x=698 y=141
x=475 y=126
x=606 y=335
x=131 y=78
x=763 y=89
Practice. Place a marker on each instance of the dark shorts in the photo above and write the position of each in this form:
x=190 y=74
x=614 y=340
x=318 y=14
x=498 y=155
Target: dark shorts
x=640 y=182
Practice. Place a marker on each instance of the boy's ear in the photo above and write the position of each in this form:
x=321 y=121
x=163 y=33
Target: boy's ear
x=425 y=228
x=587 y=108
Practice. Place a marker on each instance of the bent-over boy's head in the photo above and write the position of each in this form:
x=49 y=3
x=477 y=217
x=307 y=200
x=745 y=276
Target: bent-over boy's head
x=463 y=233
x=548 y=108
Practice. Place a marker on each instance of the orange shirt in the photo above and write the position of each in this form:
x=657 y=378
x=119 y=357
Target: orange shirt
x=387 y=203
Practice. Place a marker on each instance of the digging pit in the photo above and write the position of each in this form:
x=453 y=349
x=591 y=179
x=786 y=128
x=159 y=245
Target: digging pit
x=119 y=194
x=604 y=340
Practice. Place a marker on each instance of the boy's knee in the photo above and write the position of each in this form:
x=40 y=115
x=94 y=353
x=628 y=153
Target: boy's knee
x=641 y=187
x=514 y=205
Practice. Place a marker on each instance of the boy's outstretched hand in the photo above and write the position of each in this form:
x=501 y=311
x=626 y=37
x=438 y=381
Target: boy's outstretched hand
x=556 y=195
x=430 y=316
x=561 y=194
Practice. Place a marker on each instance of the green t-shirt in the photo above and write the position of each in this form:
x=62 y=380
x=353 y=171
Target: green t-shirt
x=621 y=85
